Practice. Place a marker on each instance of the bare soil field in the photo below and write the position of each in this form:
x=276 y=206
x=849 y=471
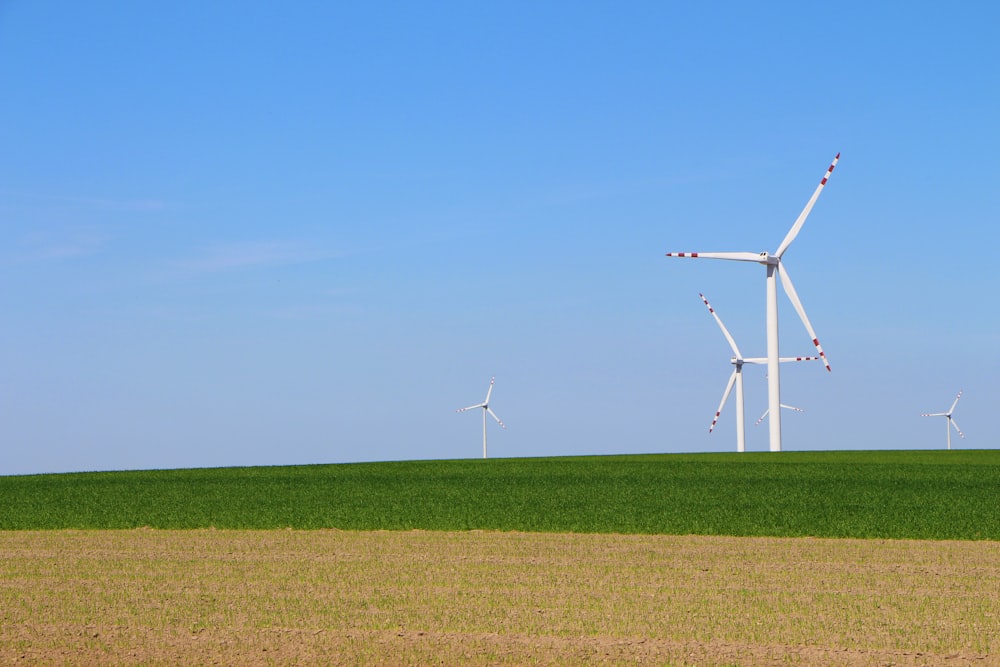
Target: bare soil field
x=394 y=598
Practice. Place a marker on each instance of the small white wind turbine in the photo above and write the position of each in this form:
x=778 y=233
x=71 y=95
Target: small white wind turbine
x=787 y=407
x=775 y=269
x=485 y=405
x=951 y=420
x=737 y=378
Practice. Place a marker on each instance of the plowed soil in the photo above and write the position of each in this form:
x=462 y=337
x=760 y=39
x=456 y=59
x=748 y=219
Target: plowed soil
x=394 y=598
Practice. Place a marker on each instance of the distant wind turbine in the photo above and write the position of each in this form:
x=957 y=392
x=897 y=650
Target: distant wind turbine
x=775 y=269
x=485 y=405
x=951 y=420
x=737 y=378
x=787 y=407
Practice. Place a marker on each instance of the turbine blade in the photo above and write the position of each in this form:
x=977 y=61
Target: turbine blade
x=953 y=423
x=494 y=415
x=757 y=423
x=955 y=403
x=793 y=296
x=763 y=360
x=739 y=256
x=797 y=225
x=489 y=391
x=934 y=414
x=725 y=332
x=725 y=395
x=472 y=407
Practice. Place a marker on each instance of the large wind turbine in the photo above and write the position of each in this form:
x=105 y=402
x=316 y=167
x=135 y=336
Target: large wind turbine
x=737 y=378
x=775 y=269
x=485 y=405
x=951 y=420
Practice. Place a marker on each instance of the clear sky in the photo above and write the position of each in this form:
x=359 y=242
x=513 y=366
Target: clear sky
x=283 y=233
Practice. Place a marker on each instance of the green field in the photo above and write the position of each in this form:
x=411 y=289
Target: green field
x=952 y=495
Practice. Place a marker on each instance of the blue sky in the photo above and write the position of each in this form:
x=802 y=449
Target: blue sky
x=284 y=233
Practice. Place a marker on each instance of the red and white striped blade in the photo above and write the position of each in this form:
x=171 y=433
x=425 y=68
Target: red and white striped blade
x=955 y=424
x=797 y=225
x=757 y=423
x=793 y=296
x=494 y=415
x=763 y=360
x=472 y=407
x=725 y=395
x=725 y=332
x=739 y=256
x=955 y=403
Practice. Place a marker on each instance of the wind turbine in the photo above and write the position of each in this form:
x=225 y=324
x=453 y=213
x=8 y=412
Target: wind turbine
x=485 y=405
x=787 y=407
x=951 y=421
x=737 y=378
x=774 y=270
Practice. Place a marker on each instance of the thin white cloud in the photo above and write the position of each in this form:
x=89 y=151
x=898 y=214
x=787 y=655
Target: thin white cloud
x=315 y=311
x=67 y=251
x=61 y=245
x=252 y=255
x=102 y=203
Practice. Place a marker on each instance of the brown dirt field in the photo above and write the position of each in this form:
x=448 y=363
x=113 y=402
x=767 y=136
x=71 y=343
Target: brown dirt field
x=390 y=598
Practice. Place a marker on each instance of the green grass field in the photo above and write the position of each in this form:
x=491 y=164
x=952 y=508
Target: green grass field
x=952 y=495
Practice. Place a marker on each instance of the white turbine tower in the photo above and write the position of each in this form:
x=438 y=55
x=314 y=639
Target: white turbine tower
x=485 y=405
x=951 y=420
x=737 y=378
x=775 y=269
